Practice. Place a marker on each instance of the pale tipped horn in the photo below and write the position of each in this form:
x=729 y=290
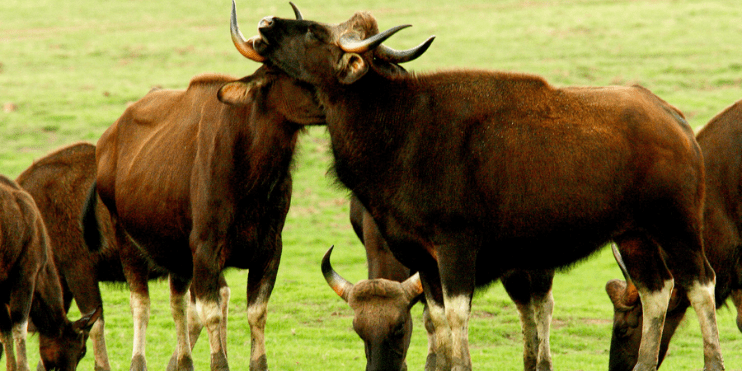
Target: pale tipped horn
x=413 y=286
x=350 y=44
x=619 y=261
x=245 y=47
x=631 y=294
x=297 y=13
x=339 y=284
x=388 y=54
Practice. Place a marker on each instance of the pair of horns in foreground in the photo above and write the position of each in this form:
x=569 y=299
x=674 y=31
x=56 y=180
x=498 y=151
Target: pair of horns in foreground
x=411 y=286
x=348 y=43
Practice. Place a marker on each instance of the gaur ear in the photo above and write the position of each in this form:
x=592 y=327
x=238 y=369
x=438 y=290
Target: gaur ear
x=235 y=93
x=86 y=322
x=238 y=92
x=623 y=295
x=351 y=68
x=615 y=290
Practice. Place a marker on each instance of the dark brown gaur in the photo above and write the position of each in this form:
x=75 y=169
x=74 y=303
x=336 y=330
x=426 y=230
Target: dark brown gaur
x=58 y=183
x=384 y=323
x=30 y=288
x=470 y=174
x=721 y=143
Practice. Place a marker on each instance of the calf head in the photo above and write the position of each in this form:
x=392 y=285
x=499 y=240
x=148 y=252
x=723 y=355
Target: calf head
x=627 y=320
x=323 y=54
x=64 y=350
x=381 y=314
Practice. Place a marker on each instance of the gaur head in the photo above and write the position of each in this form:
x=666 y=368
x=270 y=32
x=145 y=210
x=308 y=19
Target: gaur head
x=319 y=53
x=627 y=320
x=275 y=97
x=381 y=314
x=63 y=350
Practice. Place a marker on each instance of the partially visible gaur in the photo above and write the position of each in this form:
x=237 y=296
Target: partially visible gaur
x=198 y=180
x=470 y=174
x=721 y=143
x=29 y=288
x=58 y=184
x=382 y=303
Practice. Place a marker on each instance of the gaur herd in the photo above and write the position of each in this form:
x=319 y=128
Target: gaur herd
x=457 y=179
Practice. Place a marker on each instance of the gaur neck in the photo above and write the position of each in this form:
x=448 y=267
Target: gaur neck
x=47 y=309
x=368 y=122
x=267 y=153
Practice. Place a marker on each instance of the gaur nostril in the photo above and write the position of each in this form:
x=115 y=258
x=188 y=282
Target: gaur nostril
x=265 y=22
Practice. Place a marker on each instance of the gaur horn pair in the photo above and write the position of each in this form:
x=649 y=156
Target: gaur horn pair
x=348 y=43
x=411 y=286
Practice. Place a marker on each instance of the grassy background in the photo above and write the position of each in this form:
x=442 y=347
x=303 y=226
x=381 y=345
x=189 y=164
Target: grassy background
x=68 y=69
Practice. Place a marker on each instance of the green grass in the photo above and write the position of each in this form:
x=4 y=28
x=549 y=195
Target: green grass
x=70 y=68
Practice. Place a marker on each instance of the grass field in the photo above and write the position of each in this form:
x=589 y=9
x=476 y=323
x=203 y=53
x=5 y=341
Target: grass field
x=69 y=68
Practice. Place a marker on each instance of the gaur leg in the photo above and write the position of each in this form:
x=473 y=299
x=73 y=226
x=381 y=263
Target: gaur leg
x=737 y=300
x=430 y=328
x=21 y=295
x=6 y=337
x=194 y=329
x=654 y=284
x=136 y=272
x=531 y=292
x=206 y=275
x=194 y=321
x=179 y=307
x=685 y=256
x=435 y=322
x=98 y=340
x=139 y=302
x=19 y=337
x=84 y=288
x=20 y=334
x=224 y=295
x=457 y=290
x=260 y=282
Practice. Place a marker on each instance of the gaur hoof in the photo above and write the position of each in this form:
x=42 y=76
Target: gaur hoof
x=430 y=362
x=138 y=363
x=261 y=364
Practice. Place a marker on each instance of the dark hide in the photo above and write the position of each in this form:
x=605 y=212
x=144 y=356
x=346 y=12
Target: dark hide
x=470 y=174
x=30 y=288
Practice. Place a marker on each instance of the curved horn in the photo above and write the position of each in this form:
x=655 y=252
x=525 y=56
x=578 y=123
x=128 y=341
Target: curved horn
x=413 y=287
x=350 y=44
x=619 y=260
x=388 y=54
x=297 y=13
x=341 y=286
x=631 y=294
x=245 y=47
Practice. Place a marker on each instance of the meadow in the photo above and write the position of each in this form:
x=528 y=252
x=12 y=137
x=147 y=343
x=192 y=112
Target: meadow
x=68 y=69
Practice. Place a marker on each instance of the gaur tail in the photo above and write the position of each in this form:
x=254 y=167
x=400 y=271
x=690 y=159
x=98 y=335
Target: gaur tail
x=89 y=220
